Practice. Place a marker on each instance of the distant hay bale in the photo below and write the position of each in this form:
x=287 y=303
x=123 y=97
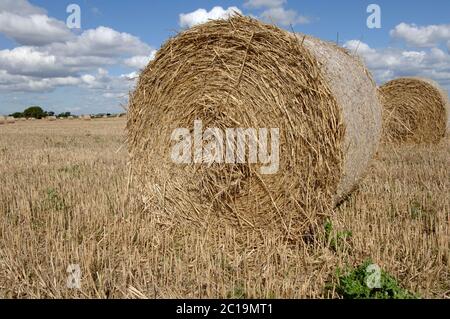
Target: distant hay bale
x=51 y=118
x=70 y=118
x=415 y=110
x=2 y=119
x=86 y=117
x=10 y=120
x=105 y=116
x=241 y=73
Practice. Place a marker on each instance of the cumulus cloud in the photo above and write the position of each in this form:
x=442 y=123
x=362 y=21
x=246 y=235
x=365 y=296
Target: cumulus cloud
x=389 y=63
x=422 y=36
x=264 y=3
x=51 y=56
x=92 y=49
x=101 y=41
x=199 y=16
x=130 y=76
x=284 y=17
x=274 y=11
x=33 y=29
x=21 y=7
x=21 y=83
x=48 y=56
x=140 y=61
x=110 y=95
x=28 y=61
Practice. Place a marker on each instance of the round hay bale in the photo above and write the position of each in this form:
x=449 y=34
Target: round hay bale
x=10 y=120
x=415 y=110
x=86 y=117
x=241 y=73
x=70 y=117
x=51 y=118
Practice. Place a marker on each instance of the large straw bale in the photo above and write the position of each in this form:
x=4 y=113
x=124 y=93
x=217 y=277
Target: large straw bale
x=241 y=73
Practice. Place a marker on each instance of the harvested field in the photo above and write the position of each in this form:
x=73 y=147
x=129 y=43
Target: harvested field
x=64 y=200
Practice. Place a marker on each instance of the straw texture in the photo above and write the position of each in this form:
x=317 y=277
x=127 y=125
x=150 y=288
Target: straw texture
x=416 y=110
x=241 y=73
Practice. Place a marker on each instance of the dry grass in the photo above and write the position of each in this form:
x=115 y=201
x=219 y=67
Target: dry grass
x=10 y=120
x=63 y=201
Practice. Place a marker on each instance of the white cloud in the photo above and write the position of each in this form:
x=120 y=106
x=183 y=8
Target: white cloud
x=28 y=61
x=89 y=51
x=274 y=11
x=49 y=56
x=21 y=83
x=422 y=36
x=389 y=63
x=284 y=17
x=264 y=3
x=187 y=20
x=130 y=76
x=47 y=62
x=140 y=61
x=21 y=7
x=33 y=29
x=102 y=41
x=53 y=56
x=115 y=95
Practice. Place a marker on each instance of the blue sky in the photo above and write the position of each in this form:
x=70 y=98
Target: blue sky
x=91 y=70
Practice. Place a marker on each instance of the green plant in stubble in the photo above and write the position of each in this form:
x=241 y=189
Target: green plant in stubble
x=354 y=284
x=336 y=239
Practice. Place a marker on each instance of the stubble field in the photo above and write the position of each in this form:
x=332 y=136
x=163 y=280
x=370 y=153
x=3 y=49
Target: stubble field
x=66 y=197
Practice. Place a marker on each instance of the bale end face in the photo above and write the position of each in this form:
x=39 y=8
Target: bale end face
x=416 y=110
x=233 y=74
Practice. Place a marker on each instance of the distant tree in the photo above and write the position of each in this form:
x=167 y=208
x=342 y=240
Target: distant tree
x=34 y=112
x=17 y=115
x=50 y=113
x=65 y=114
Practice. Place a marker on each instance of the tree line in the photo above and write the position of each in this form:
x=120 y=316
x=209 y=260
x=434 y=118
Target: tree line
x=38 y=113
